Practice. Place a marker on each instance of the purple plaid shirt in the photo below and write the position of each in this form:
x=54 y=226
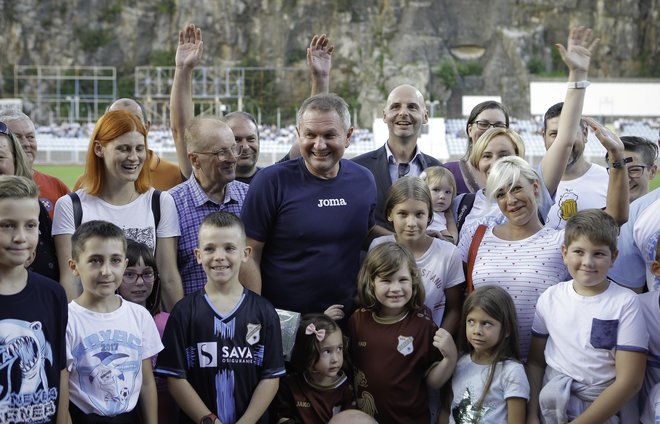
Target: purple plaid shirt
x=193 y=205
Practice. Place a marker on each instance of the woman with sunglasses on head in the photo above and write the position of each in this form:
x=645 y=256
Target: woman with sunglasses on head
x=485 y=115
x=116 y=187
x=14 y=161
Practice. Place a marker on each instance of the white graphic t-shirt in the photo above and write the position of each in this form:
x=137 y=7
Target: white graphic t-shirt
x=104 y=356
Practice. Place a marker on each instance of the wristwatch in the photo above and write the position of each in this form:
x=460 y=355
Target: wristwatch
x=622 y=162
x=208 y=419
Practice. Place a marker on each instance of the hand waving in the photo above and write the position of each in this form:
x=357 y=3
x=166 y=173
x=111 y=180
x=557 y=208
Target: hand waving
x=580 y=48
x=319 y=55
x=190 y=48
x=607 y=138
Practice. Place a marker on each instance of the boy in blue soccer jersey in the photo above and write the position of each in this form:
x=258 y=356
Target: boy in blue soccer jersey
x=223 y=349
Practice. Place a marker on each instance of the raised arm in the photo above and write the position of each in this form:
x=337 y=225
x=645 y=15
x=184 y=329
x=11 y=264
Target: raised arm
x=319 y=62
x=188 y=55
x=617 y=189
x=576 y=55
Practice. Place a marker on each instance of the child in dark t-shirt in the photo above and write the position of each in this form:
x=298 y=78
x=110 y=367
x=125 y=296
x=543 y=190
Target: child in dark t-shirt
x=33 y=316
x=223 y=347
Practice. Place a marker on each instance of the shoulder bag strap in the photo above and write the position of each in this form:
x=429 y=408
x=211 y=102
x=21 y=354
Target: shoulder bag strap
x=472 y=255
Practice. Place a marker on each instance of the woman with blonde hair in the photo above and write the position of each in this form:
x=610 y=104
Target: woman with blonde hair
x=522 y=255
x=116 y=187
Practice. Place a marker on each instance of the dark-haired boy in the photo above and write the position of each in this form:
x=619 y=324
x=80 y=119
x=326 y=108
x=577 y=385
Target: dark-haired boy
x=109 y=341
x=223 y=350
x=33 y=316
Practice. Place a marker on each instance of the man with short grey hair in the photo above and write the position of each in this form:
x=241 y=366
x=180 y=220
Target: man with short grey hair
x=306 y=219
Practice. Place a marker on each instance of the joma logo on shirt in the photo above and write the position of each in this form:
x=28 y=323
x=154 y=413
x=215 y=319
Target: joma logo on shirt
x=303 y=404
x=331 y=202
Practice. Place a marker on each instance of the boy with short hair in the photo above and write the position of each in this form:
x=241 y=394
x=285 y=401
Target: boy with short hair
x=589 y=331
x=223 y=350
x=33 y=316
x=109 y=341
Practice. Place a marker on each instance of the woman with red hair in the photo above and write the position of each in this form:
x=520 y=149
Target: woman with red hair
x=116 y=187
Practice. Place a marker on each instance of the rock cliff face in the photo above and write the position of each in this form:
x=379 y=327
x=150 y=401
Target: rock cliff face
x=448 y=48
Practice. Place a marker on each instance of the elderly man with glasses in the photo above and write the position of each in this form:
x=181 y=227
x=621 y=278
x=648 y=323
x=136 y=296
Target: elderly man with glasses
x=212 y=152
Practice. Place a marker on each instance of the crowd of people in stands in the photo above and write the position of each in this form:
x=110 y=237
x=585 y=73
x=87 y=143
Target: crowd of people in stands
x=483 y=290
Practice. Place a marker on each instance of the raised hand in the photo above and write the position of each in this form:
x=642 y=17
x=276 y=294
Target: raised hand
x=607 y=138
x=190 y=48
x=319 y=55
x=580 y=47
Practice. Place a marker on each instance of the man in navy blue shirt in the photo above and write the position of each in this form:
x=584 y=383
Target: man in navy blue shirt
x=306 y=218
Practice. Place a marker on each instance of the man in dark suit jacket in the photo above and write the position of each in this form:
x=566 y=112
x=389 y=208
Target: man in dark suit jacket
x=404 y=114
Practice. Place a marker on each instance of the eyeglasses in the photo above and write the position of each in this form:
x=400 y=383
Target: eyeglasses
x=634 y=171
x=131 y=277
x=484 y=125
x=223 y=154
x=4 y=129
x=404 y=169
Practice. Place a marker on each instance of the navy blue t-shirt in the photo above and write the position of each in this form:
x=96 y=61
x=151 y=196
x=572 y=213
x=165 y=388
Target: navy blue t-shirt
x=32 y=351
x=312 y=230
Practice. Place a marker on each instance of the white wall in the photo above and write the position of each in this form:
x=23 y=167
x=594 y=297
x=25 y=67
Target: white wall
x=602 y=98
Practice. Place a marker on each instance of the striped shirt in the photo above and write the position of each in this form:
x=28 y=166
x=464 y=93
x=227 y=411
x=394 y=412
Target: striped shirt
x=524 y=268
x=193 y=204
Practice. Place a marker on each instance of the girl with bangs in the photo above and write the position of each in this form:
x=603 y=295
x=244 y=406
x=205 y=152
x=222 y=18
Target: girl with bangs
x=116 y=187
x=398 y=352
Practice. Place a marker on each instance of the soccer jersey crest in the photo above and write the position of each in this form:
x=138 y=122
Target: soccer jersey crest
x=253 y=333
x=405 y=346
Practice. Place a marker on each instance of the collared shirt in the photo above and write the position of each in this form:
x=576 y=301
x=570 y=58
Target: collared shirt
x=415 y=164
x=193 y=204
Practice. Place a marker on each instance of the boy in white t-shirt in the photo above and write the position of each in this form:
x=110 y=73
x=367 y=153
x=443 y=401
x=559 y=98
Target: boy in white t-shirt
x=109 y=341
x=589 y=332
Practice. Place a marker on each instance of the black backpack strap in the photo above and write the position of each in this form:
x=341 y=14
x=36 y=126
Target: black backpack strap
x=464 y=208
x=77 y=209
x=155 y=208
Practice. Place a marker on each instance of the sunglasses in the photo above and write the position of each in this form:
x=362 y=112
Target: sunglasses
x=4 y=129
